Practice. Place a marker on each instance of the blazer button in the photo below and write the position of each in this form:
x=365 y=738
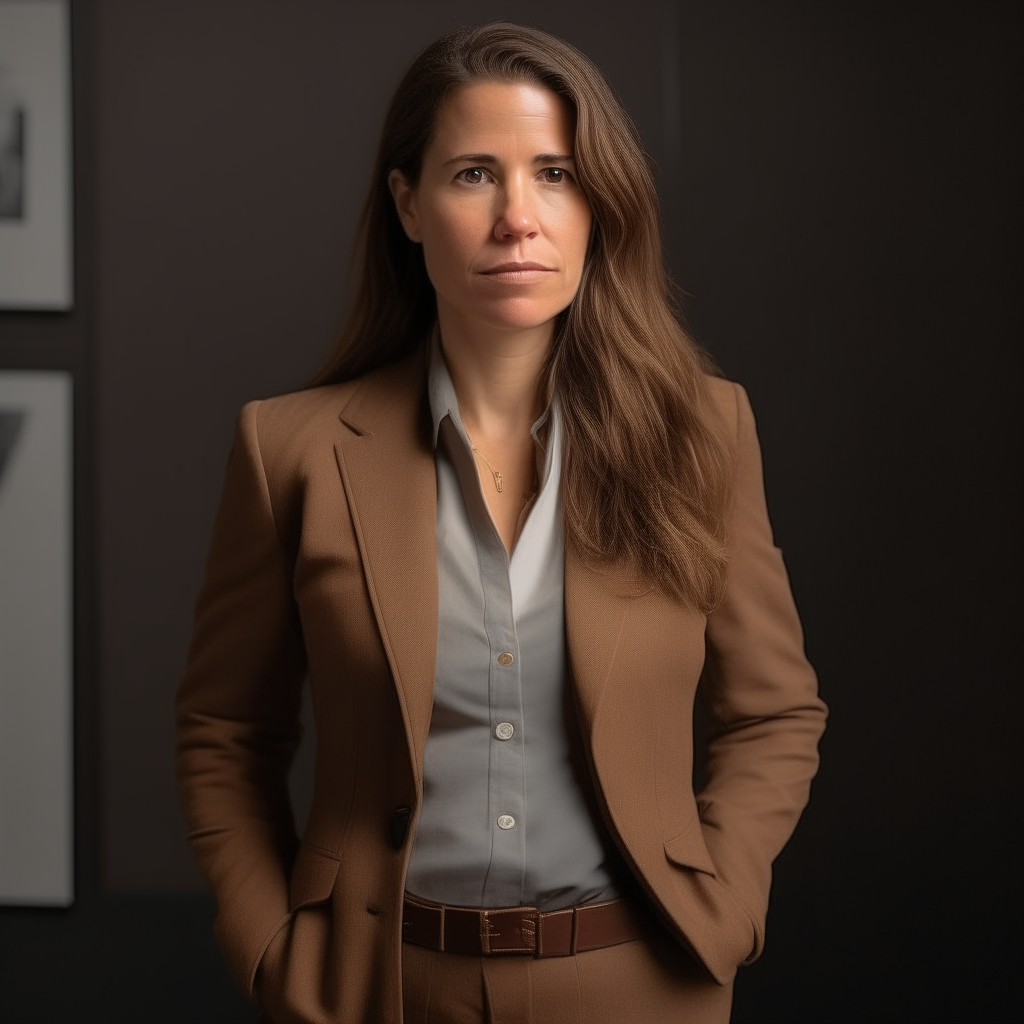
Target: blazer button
x=398 y=826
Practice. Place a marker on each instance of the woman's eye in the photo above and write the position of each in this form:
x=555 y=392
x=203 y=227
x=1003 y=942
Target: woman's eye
x=472 y=175
x=554 y=175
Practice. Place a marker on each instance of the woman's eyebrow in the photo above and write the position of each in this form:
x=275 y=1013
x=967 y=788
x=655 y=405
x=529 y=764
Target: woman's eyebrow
x=476 y=158
x=488 y=158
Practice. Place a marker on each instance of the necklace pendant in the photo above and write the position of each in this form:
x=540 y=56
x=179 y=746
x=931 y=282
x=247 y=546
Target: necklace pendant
x=497 y=480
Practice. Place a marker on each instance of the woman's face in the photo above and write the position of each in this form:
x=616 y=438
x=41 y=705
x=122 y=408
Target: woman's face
x=503 y=223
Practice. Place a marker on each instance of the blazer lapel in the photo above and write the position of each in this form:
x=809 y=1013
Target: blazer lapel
x=597 y=600
x=387 y=466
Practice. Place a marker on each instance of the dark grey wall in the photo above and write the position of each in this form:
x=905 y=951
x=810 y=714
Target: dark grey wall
x=841 y=197
x=848 y=229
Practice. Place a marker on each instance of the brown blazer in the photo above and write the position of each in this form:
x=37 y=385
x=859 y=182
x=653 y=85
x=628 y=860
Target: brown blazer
x=323 y=562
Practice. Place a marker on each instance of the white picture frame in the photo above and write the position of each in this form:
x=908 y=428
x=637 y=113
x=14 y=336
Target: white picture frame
x=36 y=261
x=36 y=639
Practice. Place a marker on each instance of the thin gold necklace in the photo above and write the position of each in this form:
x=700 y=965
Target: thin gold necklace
x=494 y=472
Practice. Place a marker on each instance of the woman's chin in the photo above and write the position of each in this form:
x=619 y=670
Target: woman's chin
x=512 y=315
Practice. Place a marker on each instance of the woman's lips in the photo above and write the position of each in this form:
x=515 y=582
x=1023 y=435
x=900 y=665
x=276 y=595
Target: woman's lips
x=518 y=273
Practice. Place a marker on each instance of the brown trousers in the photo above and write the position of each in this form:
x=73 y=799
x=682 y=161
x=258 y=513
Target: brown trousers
x=650 y=980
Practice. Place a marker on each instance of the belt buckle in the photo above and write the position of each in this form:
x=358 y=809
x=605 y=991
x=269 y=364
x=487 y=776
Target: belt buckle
x=509 y=931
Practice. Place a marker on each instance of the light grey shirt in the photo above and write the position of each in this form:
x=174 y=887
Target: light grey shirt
x=505 y=820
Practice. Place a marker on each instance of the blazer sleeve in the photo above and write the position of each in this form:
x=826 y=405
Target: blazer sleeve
x=238 y=713
x=761 y=693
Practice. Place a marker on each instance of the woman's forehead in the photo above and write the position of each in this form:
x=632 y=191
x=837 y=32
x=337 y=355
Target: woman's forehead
x=486 y=115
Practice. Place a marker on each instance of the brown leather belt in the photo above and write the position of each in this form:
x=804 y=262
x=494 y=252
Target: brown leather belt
x=522 y=930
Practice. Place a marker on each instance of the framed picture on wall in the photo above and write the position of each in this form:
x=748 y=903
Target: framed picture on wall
x=36 y=747
x=35 y=155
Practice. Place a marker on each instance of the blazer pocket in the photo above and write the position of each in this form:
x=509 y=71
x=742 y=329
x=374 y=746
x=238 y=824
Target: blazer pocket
x=261 y=957
x=312 y=881
x=688 y=850
x=744 y=938
x=313 y=878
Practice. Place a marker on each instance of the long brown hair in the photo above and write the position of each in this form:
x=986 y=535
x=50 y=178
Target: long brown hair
x=645 y=458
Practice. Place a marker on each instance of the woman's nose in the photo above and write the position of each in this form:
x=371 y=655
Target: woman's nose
x=516 y=218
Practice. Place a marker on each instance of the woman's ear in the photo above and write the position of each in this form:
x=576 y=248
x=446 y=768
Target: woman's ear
x=405 y=204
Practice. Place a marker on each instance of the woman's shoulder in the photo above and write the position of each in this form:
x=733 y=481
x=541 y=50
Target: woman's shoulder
x=728 y=399
x=298 y=410
x=722 y=391
x=323 y=407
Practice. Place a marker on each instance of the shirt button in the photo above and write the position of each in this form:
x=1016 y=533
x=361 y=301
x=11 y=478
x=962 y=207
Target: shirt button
x=506 y=821
x=506 y=658
x=505 y=730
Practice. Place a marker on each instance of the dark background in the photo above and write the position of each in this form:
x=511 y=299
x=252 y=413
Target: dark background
x=841 y=188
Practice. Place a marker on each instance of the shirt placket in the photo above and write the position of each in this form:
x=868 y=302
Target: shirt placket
x=506 y=783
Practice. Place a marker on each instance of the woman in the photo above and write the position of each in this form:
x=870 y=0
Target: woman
x=505 y=534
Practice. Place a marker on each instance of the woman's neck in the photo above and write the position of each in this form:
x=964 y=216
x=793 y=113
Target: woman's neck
x=496 y=374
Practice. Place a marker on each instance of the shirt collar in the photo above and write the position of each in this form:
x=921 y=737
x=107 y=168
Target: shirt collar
x=441 y=389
